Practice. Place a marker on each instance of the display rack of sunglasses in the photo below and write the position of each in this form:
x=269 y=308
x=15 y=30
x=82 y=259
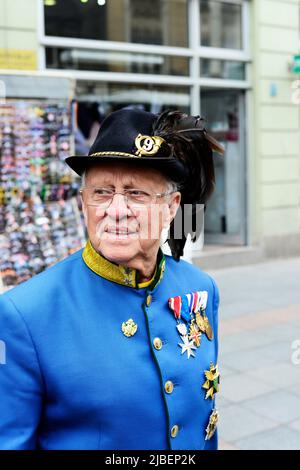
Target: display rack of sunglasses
x=40 y=221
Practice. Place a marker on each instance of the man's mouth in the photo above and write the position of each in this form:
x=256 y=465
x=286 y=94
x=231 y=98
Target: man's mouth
x=119 y=231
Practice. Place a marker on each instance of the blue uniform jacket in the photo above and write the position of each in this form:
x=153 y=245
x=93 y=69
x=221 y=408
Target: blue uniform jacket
x=70 y=378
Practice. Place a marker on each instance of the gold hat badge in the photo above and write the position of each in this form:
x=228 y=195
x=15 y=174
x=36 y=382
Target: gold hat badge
x=148 y=145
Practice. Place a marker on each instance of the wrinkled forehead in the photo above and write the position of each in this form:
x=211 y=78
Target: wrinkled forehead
x=125 y=174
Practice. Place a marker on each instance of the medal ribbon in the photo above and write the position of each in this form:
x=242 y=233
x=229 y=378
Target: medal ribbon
x=190 y=298
x=187 y=304
x=175 y=305
x=179 y=306
x=203 y=300
x=197 y=300
x=185 y=312
x=196 y=296
x=193 y=301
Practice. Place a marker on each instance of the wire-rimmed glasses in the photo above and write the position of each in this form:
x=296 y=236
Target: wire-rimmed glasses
x=102 y=197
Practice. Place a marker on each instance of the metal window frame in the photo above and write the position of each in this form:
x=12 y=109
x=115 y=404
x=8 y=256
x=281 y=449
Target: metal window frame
x=194 y=52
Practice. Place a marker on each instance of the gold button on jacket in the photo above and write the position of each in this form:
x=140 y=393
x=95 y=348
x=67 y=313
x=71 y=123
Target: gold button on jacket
x=174 y=430
x=148 y=300
x=169 y=386
x=157 y=343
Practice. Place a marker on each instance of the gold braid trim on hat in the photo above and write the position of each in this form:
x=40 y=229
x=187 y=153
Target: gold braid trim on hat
x=119 y=154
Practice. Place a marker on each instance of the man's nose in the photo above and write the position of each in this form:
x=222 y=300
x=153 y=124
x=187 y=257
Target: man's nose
x=118 y=207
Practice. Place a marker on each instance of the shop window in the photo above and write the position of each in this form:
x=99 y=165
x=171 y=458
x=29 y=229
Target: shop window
x=112 y=61
x=225 y=214
x=135 y=21
x=97 y=99
x=221 y=24
x=226 y=69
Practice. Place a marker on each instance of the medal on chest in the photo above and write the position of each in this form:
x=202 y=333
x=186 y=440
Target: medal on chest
x=178 y=306
x=192 y=321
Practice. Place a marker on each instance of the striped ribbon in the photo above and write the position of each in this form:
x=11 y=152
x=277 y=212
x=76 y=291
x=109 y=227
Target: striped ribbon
x=175 y=305
x=184 y=306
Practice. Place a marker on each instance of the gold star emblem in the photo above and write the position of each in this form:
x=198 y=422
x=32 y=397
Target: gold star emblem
x=212 y=424
x=212 y=381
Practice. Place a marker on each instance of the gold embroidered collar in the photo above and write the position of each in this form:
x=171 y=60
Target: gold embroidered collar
x=118 y=273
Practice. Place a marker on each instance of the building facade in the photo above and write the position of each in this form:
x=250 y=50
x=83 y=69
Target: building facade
x=227 y=60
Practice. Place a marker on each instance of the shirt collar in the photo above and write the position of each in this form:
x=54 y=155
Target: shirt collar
x=118 y=273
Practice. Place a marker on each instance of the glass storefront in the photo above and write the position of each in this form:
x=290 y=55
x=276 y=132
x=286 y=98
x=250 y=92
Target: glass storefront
x=153 y=98
x=96 y=100
x=229 y=69
x=134 y=21
x=225 y=213
x=178 y=54
x=112 y=61
x=221 y=24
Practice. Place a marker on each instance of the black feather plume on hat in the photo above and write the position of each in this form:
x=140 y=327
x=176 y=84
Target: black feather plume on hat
x=193 y=146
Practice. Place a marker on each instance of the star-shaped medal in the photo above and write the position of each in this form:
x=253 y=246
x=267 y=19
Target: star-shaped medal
x=195 y=334
x=187 y=346
x=212 y=424
x=212 y=381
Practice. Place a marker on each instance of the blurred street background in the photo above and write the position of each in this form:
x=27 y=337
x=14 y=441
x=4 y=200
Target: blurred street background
x=259 y=399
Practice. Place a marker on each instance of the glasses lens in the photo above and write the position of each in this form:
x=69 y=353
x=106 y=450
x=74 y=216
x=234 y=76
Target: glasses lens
x=99 y=196
x=102 y=197
x=138 y=197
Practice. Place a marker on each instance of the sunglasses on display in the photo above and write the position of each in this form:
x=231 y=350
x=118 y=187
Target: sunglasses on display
x=36 y=214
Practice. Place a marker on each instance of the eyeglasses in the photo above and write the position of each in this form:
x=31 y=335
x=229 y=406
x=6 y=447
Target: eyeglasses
x=102 y=197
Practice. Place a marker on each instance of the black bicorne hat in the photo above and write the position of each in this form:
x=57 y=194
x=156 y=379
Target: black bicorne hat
x=174 y=143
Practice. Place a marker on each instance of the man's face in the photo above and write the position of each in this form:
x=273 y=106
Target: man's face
x=124 y=231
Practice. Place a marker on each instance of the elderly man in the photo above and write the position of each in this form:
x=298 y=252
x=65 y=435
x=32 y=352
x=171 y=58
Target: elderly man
x=115 y=347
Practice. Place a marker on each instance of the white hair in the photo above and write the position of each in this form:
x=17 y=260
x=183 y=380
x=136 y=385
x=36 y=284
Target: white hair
x=172 y=186
x=83 y=179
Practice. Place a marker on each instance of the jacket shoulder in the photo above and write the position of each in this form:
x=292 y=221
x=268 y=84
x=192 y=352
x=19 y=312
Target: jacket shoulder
x=43 y=284
x=188 y=270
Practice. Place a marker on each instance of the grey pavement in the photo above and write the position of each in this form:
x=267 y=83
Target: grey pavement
x=259 y=355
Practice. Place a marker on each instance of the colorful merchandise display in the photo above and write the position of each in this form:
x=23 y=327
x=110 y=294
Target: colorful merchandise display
x=40 y=221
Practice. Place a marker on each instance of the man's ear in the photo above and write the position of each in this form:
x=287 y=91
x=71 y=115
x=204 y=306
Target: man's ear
x=174 y=204
x=84 y=211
